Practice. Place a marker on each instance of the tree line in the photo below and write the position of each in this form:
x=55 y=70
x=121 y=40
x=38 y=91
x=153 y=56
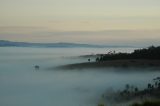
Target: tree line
x=151 y=52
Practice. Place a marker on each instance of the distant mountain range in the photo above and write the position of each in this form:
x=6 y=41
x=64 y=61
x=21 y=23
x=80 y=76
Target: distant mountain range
x=5 y=43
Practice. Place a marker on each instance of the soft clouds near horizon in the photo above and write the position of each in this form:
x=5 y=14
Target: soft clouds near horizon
x=110 y=37
x=88 y=21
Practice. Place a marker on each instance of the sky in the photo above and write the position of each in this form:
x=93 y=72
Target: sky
x=118 y=22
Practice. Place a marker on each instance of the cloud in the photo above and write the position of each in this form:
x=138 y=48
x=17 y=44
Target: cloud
x=116 y=37
x=19 y=29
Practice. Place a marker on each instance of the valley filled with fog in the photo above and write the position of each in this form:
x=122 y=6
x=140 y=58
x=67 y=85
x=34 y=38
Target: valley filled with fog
x=22 y=85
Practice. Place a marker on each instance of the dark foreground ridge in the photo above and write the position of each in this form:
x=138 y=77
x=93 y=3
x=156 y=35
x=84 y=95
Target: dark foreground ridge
x=114 y=63
x=148 y=96
x=144 y=58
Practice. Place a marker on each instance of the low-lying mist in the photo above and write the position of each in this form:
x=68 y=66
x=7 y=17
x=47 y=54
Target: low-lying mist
x=22 y=85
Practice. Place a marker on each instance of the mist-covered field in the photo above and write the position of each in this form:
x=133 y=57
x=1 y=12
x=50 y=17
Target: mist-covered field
x=22 y=85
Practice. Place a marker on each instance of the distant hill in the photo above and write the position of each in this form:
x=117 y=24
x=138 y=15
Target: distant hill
x=5 y=43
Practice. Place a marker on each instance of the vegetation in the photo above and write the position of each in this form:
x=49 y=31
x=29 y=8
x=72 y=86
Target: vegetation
x=133 y=93
x=147 y=103
x=145 y=53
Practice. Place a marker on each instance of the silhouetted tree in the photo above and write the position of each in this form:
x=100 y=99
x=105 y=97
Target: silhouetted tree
x=97 y=59
x=149 y=86
x=89 y=60
x=127 y=86
x=136 y=89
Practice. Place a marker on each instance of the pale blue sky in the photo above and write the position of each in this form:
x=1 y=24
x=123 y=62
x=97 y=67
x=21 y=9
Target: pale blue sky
x=88 y=21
